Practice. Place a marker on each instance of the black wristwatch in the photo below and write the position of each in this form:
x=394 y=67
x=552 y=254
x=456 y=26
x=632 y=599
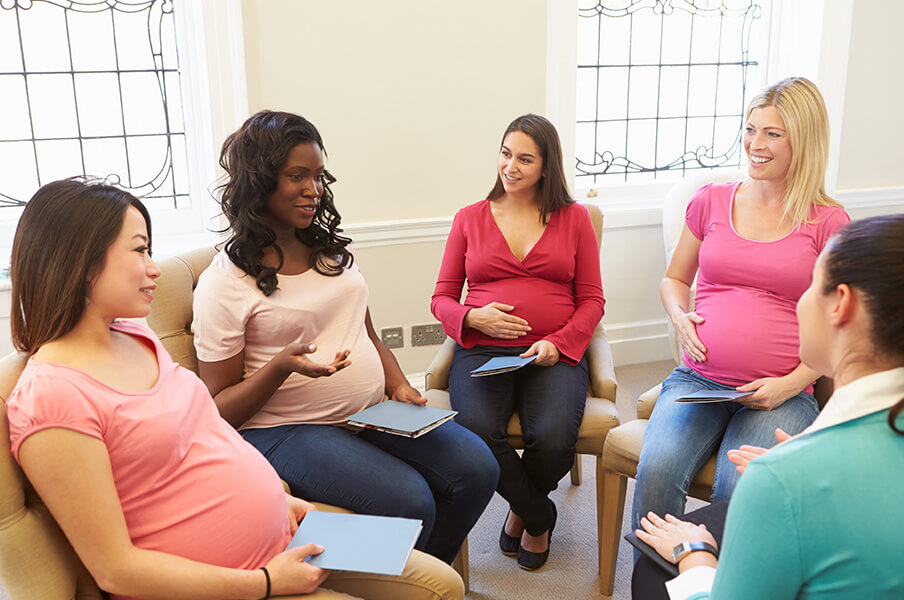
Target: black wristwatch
x=685 y=548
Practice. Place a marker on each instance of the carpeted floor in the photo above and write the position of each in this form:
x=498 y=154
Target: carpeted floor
x=571 y=572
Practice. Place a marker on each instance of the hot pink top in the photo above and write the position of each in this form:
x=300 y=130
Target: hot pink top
x=188 y=483
x=747 y=290
x=556 y=288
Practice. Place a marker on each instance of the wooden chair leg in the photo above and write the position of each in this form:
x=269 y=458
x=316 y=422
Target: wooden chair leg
x=576 y=470
x=460 y=564
x=610 y=506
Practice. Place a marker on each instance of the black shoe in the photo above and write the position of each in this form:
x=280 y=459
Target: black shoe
x=508 y=544
x=531 y=561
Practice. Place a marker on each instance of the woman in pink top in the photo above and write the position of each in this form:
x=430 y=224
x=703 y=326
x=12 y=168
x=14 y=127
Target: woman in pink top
x=530 y=256
x=159 y=496
x=752 y=246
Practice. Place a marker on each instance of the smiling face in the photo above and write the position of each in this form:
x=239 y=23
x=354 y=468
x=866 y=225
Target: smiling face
x=520 y=163
x=298 y=190
x=767 y=144
x=124 y=288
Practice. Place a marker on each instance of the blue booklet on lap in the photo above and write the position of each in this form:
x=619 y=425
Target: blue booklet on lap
x=401 y=418
x=502 y=364
x=713 y=396
x=361 y=543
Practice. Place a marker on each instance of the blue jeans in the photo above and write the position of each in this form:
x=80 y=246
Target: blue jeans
x=680 y=438
x=444 y=478
x=550 y=403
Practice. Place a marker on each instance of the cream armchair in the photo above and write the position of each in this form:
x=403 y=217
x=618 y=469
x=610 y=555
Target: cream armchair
x=600 y=414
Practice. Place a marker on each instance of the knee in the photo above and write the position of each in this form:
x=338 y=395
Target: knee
x=485 y=428
x=431 y=578
x=413 y=500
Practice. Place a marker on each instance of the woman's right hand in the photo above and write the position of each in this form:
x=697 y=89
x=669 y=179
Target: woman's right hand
x=292 y=358
x=290 y=574
x=686 y=328
x=494 y=321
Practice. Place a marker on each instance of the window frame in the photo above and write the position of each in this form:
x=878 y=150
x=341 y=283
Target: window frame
x=807 y=37
x=215 y=102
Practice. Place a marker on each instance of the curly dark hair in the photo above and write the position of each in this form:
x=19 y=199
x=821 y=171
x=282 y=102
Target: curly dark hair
x=252 y=158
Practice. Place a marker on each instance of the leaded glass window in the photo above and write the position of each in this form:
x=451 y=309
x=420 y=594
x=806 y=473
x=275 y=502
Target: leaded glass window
x=91 y=87
x=662 y=85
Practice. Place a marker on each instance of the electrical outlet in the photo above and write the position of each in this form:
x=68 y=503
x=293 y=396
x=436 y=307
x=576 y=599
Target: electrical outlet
x=392 y=337
x=427 y=335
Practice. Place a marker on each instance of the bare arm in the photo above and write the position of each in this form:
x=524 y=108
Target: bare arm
x=675 y=291
x=397 y=386
x=771 y=392
x=73 y=476
x=239 y=398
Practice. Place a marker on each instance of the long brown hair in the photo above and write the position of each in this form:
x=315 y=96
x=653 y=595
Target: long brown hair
x=60 y=245
x=553 y=185
x=869 y=255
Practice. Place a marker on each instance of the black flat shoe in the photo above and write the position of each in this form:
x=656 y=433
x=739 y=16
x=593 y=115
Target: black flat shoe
x=508 y=544
x=531 y=561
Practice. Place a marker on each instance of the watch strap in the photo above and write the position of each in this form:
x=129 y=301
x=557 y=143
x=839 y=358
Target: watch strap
x=685 y=548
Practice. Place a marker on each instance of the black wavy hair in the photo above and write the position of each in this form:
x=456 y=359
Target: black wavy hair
x=252 y=158
x=869 y=255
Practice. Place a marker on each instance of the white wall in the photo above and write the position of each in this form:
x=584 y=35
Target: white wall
x=412 y=97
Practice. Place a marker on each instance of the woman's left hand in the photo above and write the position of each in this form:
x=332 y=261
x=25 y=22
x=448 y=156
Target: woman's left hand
x=406 y=393
x=546 y=351
x=298 y=508
x=768 y=392
x=664 y=534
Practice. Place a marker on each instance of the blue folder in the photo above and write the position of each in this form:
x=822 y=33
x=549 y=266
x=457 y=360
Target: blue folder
x=361 y=543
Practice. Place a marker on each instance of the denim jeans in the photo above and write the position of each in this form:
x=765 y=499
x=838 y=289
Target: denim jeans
x=680 y=438
x=550 y=403
x=444 y=478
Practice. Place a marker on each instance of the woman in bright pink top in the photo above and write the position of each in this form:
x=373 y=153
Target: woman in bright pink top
x=531 y=260
x=752 y=246
x=159 y=497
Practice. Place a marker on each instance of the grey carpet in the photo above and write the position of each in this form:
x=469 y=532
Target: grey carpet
x=571 y=572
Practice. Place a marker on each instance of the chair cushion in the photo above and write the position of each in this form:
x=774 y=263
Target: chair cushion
x=622 y=452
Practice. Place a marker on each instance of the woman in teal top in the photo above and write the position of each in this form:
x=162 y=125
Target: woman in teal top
x=818 y=515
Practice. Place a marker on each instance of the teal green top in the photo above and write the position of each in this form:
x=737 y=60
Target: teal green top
x=821 y=516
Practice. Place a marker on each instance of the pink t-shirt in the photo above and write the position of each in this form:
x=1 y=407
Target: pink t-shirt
x=189 y=485
x=748 y=290
x=231 y=314
x=556 y=288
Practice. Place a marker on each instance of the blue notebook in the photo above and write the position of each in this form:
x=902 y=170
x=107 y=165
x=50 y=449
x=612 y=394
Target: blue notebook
x=401 y=418
x=361 y=543
x=713 y=396
x=502 y=364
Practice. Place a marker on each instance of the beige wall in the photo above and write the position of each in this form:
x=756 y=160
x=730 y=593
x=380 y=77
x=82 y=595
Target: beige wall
x=872 y=148
x=411 y=97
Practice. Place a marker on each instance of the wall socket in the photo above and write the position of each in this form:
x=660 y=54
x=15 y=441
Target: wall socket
x=392 y=337
x=427 y=335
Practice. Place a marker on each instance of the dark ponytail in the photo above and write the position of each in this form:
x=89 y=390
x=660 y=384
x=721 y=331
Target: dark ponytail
x=869 y=255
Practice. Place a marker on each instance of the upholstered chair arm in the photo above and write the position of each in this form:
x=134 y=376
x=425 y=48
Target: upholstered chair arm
x=601 y=365
x=646 y=402
x=437 y=375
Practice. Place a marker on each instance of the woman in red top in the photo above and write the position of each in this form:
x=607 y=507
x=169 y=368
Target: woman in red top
x=531 y=260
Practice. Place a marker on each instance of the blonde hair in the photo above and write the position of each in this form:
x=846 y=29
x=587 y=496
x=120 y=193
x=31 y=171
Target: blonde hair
x=800 y=105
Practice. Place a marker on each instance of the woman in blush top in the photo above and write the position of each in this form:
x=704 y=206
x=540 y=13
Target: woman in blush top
x=160 y=498
x=752 y=246
x=287 y=348
x=531 y=260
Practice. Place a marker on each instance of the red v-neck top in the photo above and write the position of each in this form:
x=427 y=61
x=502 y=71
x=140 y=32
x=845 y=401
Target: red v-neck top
x=556 y=288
